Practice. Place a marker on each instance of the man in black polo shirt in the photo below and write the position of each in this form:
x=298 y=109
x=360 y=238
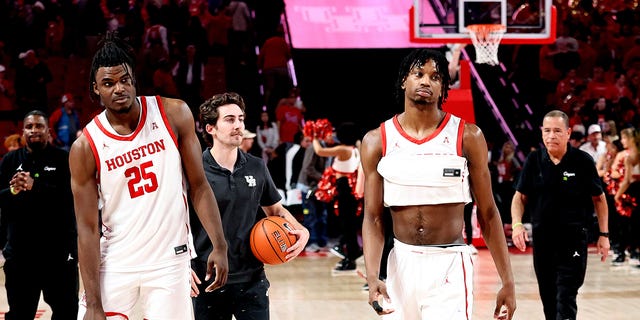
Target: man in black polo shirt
x=559 y=185
x=242 y=184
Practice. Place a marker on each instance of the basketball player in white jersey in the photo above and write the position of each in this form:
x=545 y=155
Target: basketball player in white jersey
x=422 y=164
x=129 y=175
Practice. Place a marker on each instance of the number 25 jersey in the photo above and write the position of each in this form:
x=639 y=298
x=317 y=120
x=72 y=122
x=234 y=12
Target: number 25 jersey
x=142 y=189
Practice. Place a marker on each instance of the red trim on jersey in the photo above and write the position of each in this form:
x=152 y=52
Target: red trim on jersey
x=186 y=203
x=143 y=118
x=344 y=173
x=460 y=134
x=443 y=123
x=383 y=137
x=166 y=121
x=115 y=314
x=94 y=150
x=466 y=289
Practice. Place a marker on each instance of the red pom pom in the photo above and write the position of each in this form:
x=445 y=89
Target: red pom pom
x=323 y=128
x=319 y=129
x=626 y=205
x=308 y=129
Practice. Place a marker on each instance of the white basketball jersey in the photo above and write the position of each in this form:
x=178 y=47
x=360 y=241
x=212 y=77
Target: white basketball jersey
x=145 y=217
x=427 y=171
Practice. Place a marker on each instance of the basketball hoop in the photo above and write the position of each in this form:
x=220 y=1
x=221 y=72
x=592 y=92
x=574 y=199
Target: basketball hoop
x=486 y=39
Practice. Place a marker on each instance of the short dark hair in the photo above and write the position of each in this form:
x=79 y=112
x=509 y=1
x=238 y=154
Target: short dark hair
x=576 y=135
x=209 y=110
x=347 y=133
x=416 y=58
x=298 y=137
x=37 y=113
x=112 y=51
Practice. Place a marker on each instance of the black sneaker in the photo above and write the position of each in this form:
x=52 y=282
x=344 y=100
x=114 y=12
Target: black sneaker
x=619 y=260
x=634 y=258
x=365 y=287
x=338 y=252
x=345 y=267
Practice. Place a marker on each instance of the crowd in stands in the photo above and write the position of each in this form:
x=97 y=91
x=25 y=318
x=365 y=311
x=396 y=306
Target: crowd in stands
x=592 y=70
x=181 y=48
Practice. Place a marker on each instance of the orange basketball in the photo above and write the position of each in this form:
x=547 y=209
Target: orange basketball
x=270 y=239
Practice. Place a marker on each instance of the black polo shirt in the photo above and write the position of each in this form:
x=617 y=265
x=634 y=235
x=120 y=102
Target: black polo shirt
x=239 y=195
x=559 y=194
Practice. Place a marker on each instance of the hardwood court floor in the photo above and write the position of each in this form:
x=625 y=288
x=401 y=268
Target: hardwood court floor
x=305 y=289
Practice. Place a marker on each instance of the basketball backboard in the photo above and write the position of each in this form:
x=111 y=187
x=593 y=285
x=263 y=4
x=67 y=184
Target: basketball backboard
x=445 y=21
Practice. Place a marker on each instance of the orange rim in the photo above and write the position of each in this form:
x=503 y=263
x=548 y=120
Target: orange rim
x=486 y=28
x=485 y=34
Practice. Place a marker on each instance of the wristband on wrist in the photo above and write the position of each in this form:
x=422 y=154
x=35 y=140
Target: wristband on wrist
x=603 y=234
x=517 y=224
x=13 y=190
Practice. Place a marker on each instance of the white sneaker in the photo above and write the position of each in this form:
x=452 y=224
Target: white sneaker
x=473 y=249
x=314 y=247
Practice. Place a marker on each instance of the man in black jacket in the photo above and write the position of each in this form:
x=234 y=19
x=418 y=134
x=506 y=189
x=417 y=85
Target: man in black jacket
x=38 y=218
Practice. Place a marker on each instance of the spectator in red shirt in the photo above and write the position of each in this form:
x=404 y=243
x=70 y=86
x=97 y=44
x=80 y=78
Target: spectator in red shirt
x=633 y=54
x=599 y=87
x=566 y=87
x=622 y=88
x=163 y=82
x=289 y=120
x=549 y=74
x=7 y=91
x=273 y=60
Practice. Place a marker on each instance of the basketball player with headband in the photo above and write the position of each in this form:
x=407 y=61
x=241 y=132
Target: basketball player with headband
x=242 y=184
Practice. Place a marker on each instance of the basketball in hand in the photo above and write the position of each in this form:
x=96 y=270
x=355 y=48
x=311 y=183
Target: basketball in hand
x=270 y=239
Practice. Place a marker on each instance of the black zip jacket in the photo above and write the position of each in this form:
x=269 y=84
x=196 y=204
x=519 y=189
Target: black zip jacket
x=39 y=223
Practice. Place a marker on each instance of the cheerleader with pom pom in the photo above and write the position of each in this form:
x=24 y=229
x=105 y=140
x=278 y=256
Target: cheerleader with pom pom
x=345 y=169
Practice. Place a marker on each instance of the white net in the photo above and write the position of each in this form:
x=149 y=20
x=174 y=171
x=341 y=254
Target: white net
x=486 y=40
